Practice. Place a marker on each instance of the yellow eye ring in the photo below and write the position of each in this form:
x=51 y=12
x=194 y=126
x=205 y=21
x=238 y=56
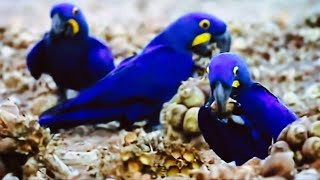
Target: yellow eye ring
x=236 y=70
x=204 y=24
x=75 y=11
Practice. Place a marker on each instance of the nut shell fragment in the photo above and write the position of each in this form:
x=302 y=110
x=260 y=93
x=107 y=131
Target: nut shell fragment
x=10 y=107
x=146 y=159
x=170 y=162
x=188 y=156
x=134 y=166
x=130 y=138
x=172 y=171
x=229 y=106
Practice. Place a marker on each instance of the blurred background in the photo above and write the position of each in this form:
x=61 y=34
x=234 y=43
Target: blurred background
x=35 y=14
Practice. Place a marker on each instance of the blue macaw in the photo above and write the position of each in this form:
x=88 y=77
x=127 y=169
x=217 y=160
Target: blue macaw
x=67 y=53
x=137 y=89
x=258 y=118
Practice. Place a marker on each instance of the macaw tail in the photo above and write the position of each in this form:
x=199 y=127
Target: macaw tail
x=54 y=120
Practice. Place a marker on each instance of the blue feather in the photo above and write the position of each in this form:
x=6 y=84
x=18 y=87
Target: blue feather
x=75 y=61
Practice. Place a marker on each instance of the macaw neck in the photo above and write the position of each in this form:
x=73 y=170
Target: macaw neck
x=164 y=39
x=81 y=36
x=83 y=33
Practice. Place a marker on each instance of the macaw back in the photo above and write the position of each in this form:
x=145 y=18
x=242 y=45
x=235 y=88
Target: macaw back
x=73 y=64
x=68 y=62
x=264 y=110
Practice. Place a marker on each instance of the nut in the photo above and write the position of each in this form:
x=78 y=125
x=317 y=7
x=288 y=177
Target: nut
x=192 y=97
x=297 y=134
x=279 y=164
x=175 y=114
x=311 y=148
x=314 y=129
x=190 y=122
x=279 y=146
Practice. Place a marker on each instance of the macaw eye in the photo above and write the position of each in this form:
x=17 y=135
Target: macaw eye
x=235 y=70
x=204 y=24
x=75 y=11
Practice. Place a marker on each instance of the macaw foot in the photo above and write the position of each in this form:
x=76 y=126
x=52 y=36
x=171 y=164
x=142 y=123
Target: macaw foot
x=62 y=95
x=125 y=124
x=152 y=127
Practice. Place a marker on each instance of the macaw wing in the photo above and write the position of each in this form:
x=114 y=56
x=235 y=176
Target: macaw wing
x=127 y=60
x=231 y=141
x=267 y=112
x=35 y=59
x=148 y=76
x=100 y=60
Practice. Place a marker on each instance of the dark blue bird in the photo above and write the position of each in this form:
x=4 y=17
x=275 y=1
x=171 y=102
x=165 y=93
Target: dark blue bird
x=262 y=114
x=67 y=52
x=137 y=89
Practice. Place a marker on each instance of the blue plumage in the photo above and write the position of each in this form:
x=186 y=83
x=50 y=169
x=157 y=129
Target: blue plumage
x=232 y=141
x=263 y=114
x=67 y=53
x=137 y=89
x=264 y=110
x=129 y=98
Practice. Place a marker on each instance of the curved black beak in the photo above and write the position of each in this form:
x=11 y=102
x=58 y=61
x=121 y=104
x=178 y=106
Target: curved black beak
x=203 y=49
x=223 y=42
x=202 y=44
x=61 y=27
x=221 y=95
x=209 y=102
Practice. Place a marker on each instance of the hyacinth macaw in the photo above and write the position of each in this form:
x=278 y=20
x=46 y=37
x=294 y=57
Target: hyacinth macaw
x=74 y=59
x=137 y=88
x=258 y=118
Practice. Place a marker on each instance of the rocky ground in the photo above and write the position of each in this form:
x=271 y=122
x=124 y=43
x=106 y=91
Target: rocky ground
x=279 y=42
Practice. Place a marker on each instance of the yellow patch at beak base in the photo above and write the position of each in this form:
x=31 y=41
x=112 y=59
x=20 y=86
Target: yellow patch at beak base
x=202 y=38
x=74 y=25
x=235 y=84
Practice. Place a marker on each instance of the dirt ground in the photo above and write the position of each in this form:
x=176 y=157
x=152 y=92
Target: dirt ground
x=279 y=39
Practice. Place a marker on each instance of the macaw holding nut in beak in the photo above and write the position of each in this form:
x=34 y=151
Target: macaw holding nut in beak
x=258 y=116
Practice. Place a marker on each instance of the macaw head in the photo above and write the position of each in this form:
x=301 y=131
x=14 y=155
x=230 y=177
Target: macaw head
x=68 y=21
x=195 y=32
x=227 y=72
